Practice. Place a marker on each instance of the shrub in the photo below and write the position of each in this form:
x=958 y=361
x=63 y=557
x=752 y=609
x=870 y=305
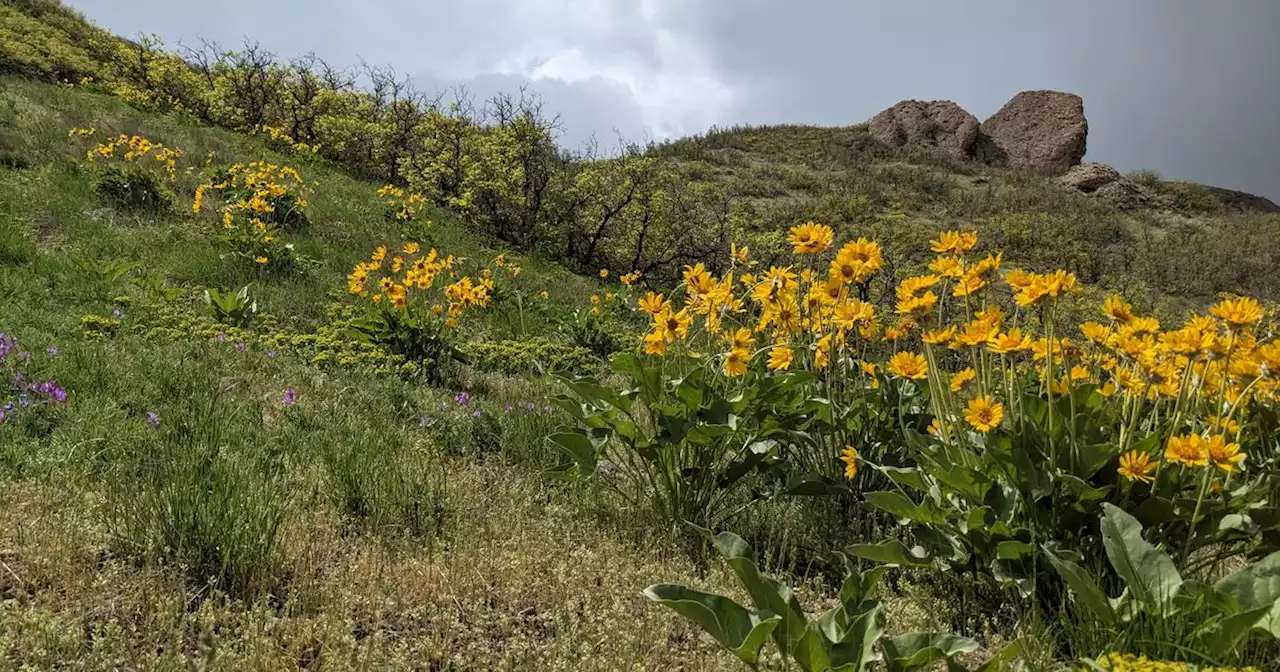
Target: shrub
x=530 y=356
x=133 y=188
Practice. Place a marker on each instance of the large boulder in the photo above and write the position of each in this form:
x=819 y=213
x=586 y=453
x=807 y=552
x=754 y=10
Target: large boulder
x=1089 y=177
x=1045 y=130
x=933 y=124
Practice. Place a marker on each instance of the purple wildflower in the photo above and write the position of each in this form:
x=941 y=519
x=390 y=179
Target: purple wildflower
x=53 y=351
x=222 y=337
x=51 y=390
x=24 y=400
x=2 y=414
x=462 y=398
x=240 y=347
x=153 y=419
x=271 y=354
x=6 y=344
x=507 y=408
x=476 y=414
x=119 y=314
x=290 y=397
x=423 y=421
x=532 y=406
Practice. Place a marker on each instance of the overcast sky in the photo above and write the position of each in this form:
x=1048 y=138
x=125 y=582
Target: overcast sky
x=1190 y=88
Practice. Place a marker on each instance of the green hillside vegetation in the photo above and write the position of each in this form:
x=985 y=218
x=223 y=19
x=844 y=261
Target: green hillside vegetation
x=300 y=373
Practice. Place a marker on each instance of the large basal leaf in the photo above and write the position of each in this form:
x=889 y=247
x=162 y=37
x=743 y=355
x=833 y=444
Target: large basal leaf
x=891 y=553
x=580 y=448
x=1086 y=590
x=767 y=594
x=1149 y=573
x=912 y=477
x=1255 y=587
x=897 y=504
x=916 y=650
x=854 y=649
x=1228 y=633
x=741 y=631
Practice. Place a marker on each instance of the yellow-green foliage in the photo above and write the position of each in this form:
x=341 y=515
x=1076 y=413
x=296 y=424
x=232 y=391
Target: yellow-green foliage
x=530 y=356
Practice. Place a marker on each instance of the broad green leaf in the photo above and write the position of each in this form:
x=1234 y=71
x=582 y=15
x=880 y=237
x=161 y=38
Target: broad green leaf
x=855 y=649
x=897 y=504
x=579 y=447
x=1226 y=635
x=916 y=650
x=1086 y=590
x=891 y=553
x=912 y=478
x=766 y=593
x=1256 y=586
x=1006 y=655
x=1149 y=573
x=741 y=631
x=1014 y=550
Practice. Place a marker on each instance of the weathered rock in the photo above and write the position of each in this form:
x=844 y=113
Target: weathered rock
x=1126 y=195
x=1089 y=177
x=934 y=124
x=1045 y=130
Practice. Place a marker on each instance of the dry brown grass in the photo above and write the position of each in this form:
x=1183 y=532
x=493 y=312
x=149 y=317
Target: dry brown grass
x=523 y=581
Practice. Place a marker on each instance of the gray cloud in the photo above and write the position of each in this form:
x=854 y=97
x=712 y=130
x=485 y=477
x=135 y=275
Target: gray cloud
x=1186 y=87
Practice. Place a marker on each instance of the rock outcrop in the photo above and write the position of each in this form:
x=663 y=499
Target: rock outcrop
x=934 y=124
x=1107 y=184
x=1239 y=201
x=1089 y=177
x=1044 y=130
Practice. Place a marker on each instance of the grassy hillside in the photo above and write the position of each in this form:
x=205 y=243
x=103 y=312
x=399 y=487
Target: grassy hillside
x=402 y=531
x=314 y=477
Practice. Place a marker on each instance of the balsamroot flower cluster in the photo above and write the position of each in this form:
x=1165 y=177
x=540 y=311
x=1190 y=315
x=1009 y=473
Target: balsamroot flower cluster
x=402 y=206
x=133 y=149
x=258 y=200
x=405 y=280
x=976 y=336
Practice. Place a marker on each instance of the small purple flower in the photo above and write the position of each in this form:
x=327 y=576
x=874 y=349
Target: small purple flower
x=153 y=419
x=24 y=400
x=119 y=314
x=222 y=337
x=240 y=347
x=271 y=354
x=532 y=406
x=462 y=398
x=53 y=351
x=51 y=390
x=290 y=397
x=507 y=408
x=423 y=421
x=2 y=416
x=476 y=414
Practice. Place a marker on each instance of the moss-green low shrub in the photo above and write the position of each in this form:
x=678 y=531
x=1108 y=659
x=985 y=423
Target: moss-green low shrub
x=530 y=356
